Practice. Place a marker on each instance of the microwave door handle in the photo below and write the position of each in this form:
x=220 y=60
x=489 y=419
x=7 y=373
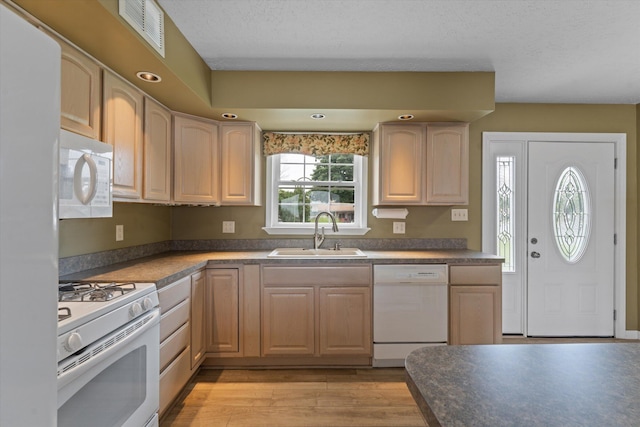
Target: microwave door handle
x=85 y=197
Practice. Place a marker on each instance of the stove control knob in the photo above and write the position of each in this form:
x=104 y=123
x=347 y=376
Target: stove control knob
x=135 y=310
x=147 y=304
x=73 y=342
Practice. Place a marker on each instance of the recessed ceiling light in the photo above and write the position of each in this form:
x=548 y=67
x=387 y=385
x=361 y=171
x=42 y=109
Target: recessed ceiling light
x=318 y=116
x=230 y=116
x=148 y=76
x=405 y=117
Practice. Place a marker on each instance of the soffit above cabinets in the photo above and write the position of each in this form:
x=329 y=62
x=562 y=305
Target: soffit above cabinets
x=285 y=101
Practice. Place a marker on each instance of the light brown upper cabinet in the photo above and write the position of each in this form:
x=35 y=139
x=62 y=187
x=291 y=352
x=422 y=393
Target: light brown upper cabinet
x=398 y=164
x=420 y=164
x=157 y=152
x=447 y=164
x=196 y=158
x=123 y=113
x=80 y=92
x=240 y=164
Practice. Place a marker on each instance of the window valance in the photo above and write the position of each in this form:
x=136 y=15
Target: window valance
x=316 y=144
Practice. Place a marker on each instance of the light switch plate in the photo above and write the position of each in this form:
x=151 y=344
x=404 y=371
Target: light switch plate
x=459 y=215
x=119 y=233
x=228 y=226
x=398 y=227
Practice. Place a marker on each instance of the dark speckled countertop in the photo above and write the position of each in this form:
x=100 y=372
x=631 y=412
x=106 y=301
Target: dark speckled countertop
x=168 y=267
x=527 y=384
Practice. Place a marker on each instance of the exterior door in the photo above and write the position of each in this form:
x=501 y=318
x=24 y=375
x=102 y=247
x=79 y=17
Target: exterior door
x=570 y=239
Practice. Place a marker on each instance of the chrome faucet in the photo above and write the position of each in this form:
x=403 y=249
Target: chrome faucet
x=319 y=238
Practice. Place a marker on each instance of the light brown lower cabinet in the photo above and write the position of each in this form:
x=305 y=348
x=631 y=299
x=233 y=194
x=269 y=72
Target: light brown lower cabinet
x=345 y=320
x=288 y=321
x=319 y=312
x=475 y=304
x=222 y=305
x=197 y=319
x=181 y=335
x=175 y=350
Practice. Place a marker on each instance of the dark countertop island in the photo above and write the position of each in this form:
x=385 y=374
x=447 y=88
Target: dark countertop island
x=527 y=384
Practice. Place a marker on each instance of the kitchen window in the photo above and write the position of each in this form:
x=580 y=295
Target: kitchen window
x=300 y=186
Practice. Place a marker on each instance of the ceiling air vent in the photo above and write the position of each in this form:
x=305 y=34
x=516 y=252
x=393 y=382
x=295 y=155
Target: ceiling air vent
x=146 y=17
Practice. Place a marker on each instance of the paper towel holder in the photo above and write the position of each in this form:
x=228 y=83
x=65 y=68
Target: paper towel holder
x=390 y=213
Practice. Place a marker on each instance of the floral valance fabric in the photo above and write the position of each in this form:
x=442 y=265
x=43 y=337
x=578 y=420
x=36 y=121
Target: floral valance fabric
x=316 y=144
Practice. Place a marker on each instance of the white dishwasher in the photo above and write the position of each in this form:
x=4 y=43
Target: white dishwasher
x=409 y=310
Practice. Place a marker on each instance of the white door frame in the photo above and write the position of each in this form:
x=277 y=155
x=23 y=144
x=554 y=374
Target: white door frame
x=489 y=203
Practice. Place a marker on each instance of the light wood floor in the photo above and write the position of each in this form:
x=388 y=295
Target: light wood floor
x=307 y=397
x=296 y=397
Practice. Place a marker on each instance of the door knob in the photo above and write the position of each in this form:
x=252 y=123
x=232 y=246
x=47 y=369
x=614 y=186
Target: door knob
x=535 y=254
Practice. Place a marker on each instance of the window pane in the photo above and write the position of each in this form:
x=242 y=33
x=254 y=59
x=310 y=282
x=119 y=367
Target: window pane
x=505 y=168
x=342 y=205
x=341 y=173
x=571 y=214
x=308 y=185
x=292 y=172
x=291 y=206
x=342 y=158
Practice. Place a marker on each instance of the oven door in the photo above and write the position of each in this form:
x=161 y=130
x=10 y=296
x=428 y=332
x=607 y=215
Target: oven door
x=114 y=382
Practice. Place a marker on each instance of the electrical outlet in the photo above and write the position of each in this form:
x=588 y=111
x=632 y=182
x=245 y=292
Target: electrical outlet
x=119 y=233
x=228 y=226
x=459 y=215
x=398 y=227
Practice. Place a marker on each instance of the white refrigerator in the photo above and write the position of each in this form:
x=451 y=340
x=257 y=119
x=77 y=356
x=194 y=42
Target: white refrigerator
x=29 y=131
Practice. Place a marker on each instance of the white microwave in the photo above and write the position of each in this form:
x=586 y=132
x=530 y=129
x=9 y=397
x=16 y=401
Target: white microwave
x=84 y=177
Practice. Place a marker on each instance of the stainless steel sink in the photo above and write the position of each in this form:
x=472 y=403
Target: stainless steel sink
x=300 y=253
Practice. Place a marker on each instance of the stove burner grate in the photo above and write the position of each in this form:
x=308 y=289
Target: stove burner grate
x=63 y=313
x=92 y=291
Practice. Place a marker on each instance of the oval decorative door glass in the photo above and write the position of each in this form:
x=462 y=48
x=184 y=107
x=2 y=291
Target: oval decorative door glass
x=571 y=214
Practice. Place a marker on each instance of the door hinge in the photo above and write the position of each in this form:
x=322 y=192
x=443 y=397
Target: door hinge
x=615 y=163
x=615 y=239
x=615 y=315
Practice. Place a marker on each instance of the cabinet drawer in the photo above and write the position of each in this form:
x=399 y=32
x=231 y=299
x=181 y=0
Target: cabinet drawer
x=174 y=345
x=172 y=320
x=475 y=275
x=173 y=379
x=172 y=295
x=309 y=276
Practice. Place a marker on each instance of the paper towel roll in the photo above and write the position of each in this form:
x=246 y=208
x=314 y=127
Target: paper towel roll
x=390 y=213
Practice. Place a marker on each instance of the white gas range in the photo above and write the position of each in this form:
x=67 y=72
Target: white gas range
x=108 y=350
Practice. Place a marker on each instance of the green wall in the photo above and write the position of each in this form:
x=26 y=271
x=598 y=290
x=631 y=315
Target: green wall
x=143 y=224
x=149 y=224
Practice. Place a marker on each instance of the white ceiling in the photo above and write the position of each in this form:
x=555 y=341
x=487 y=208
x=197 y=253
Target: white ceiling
x=558 y=51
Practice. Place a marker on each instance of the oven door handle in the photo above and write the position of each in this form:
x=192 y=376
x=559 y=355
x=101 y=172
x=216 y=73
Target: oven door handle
x=74 y=366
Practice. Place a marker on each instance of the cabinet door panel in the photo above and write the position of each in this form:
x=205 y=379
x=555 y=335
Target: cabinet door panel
x=222 y=303
x=399 y=162
x=80 y=92
x=288 y=321
x=240 y=164
x=123 y=129
x=447 y=164
x=157 y=152
x=476 y=315
x=196 y=161
x=345 y=320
